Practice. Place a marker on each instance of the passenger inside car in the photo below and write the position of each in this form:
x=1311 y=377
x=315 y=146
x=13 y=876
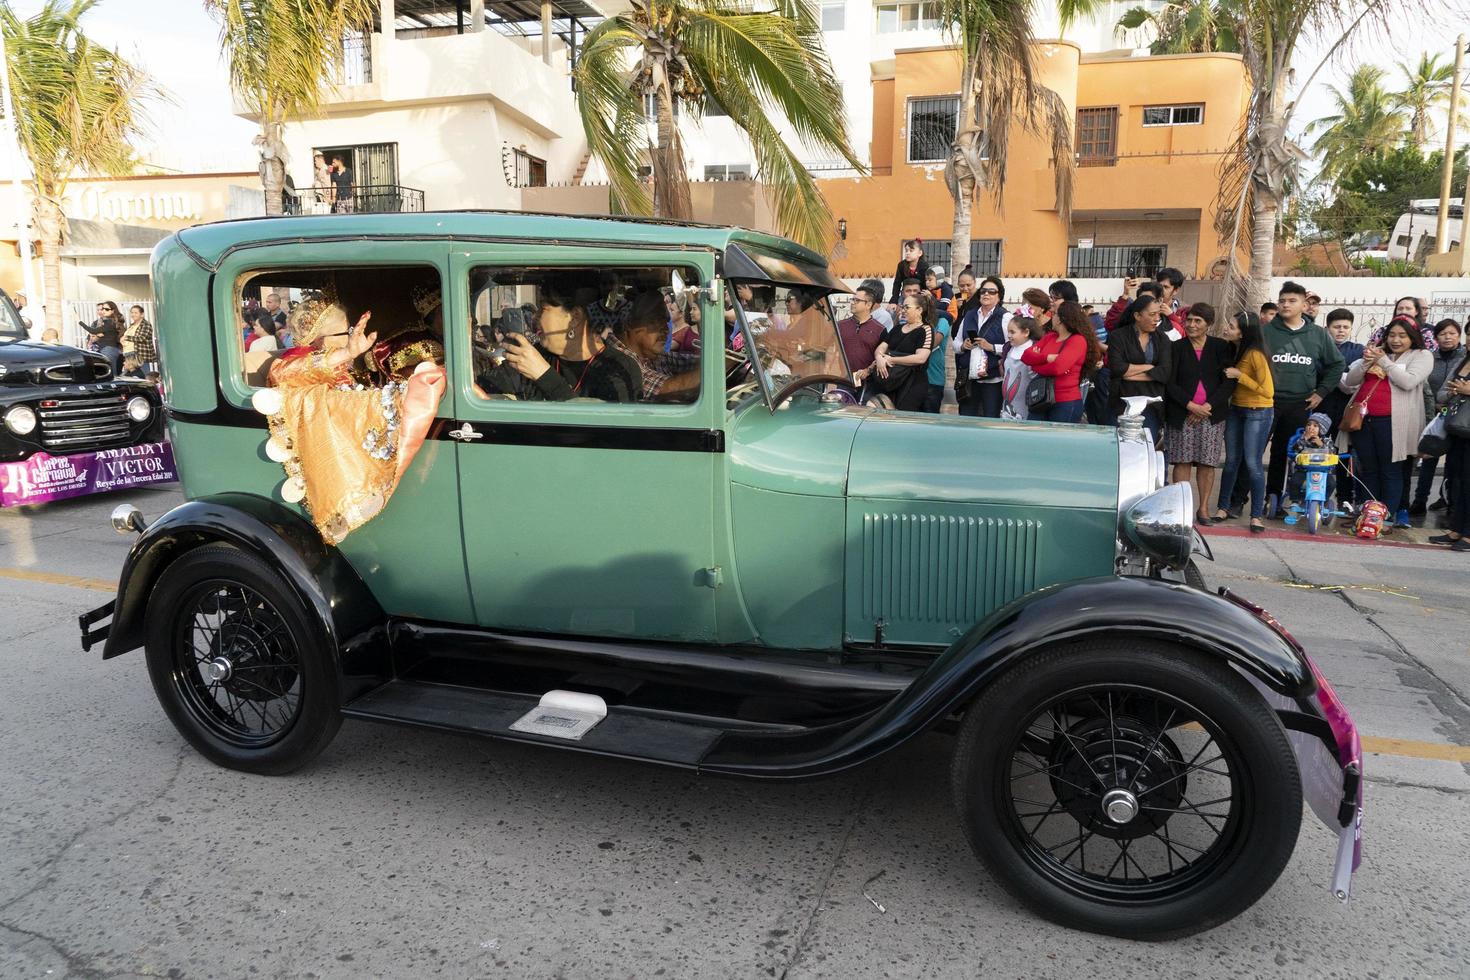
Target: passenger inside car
x=643 y=334
x=564 y=358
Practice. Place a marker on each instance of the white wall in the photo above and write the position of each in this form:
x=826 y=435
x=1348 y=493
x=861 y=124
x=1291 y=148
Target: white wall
x=452 y=152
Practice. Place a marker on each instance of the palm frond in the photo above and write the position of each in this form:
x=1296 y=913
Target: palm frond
x=768 y=60
x=283 y=53
x=79 y=106
x=611 y=113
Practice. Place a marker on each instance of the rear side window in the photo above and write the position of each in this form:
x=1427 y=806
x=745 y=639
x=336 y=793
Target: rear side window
x=278 y=309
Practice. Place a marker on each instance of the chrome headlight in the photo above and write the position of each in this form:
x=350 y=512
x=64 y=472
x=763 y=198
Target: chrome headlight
x=139 y=409
x=1161 y=524
x=20 y=419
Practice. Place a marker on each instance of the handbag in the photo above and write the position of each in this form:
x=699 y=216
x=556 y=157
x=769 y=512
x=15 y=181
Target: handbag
x=1356 y=412
x=1041 y=393
x=1457 y=419
x=898 y=376
x=1434 y=440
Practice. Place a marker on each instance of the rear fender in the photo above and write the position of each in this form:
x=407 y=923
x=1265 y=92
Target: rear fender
x=1112 y=607
x=344 y=614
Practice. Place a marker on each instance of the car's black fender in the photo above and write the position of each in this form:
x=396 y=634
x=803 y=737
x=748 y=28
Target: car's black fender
x=1112 y=606
x=343 y=611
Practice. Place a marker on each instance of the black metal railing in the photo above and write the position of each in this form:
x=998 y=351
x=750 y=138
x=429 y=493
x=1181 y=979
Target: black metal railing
x=363 y=199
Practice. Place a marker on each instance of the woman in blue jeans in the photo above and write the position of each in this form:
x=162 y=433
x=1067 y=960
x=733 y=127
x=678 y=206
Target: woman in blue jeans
x=1248 y=425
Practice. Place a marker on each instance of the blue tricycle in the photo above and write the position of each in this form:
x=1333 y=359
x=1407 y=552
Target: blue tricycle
x=1314 y=467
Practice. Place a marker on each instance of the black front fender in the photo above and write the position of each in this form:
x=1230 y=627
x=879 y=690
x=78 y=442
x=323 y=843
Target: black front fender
x=1111 y=607
x=345 y=614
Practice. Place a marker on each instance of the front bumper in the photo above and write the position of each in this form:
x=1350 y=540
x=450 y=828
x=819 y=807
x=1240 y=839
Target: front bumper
x=1329 y=755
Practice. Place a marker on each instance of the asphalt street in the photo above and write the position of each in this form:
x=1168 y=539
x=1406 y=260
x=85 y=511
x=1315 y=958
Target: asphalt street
x=403 y=853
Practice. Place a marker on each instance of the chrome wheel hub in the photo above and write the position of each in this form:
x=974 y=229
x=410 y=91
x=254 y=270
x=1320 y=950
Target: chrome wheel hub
x=218 y=670
x=1120 y=805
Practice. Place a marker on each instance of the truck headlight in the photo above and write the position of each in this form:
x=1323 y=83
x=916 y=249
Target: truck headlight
x=1161 y=524
x=139 y=409
x=20 y=419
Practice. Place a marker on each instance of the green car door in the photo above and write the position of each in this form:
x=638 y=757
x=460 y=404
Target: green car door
x=584 y=515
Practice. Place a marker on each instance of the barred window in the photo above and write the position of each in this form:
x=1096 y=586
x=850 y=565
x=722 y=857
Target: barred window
x=1097 y=136
x=1174 y=115
x=932 y=124
x=984 y=257
x=1109 y=261
x=530 y=171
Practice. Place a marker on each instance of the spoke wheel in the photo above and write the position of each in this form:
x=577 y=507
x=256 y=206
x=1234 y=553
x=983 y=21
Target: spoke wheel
x=1121 y=791
x=236 y=667
x=238 y=662
x=1128 y=787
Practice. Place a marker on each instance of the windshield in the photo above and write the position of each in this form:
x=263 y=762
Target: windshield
x=10 y=326
x=791 y=331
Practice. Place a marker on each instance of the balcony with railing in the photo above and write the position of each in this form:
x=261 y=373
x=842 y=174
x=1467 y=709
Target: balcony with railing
x=364 y=199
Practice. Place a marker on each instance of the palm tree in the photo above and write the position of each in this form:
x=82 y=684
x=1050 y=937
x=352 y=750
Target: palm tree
x=761 y=62
x=1263 y=163
x=997 y=87
x=1426 y=89
x=1367 y=120
x=77 y=108
x=1186 y=26
x=281 y=54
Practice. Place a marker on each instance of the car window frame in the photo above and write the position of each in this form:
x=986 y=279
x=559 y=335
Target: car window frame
x=231 y=275
x=767 y=387
x=699 y=414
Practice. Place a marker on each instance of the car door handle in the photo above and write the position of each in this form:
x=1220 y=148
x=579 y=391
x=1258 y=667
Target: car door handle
x=464 y=433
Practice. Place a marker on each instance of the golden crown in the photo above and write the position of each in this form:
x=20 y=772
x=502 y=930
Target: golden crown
x=426 y=299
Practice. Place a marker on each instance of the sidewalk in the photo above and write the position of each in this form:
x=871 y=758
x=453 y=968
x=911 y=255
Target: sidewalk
x=1340 y=531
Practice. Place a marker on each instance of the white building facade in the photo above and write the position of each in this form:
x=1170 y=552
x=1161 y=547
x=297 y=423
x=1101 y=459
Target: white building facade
x=461 y=103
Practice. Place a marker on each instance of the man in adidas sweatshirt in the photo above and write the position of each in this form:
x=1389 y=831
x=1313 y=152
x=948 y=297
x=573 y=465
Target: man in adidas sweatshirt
x=1305 y=367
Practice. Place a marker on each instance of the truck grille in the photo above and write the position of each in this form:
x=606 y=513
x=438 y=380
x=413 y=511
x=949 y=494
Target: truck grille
x=74 y=423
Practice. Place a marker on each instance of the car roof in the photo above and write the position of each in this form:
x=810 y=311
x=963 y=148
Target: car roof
x=209 y=243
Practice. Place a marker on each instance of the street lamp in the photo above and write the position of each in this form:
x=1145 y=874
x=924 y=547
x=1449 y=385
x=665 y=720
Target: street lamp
x=842 y=228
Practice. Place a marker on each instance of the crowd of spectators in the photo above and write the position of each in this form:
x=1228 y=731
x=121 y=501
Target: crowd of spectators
x=1237 y=395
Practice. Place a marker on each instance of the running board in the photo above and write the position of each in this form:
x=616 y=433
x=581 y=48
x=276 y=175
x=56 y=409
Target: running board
x=630 y=733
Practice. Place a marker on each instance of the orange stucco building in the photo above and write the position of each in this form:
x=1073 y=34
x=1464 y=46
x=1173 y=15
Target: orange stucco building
x=1150 y=133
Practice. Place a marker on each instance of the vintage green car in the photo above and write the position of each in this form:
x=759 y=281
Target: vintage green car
x=721 y=562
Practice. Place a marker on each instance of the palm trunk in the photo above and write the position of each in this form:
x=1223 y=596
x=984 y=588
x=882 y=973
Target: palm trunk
x=1267 y=186
x=670 y=179
x=964 y=178
x=272 y=164
x=51 y=230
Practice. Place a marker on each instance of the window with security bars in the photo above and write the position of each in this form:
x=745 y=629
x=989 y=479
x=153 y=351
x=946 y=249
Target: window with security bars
x=984 y=257
x=1173 y=115
x=530 y=171
x=1097 y=136
x=932 y=124
x=1109 y=261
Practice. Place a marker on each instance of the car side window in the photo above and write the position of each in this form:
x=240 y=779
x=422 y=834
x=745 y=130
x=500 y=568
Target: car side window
x=625 y=335
x=280 y=309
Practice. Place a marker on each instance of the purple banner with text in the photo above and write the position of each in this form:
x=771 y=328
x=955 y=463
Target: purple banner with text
x=44 y=477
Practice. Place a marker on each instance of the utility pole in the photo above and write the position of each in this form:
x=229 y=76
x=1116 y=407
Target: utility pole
x=1441 y=230
x=10 y=136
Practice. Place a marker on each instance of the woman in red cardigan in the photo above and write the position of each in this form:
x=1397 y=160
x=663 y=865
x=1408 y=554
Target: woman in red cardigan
x=1067 y=353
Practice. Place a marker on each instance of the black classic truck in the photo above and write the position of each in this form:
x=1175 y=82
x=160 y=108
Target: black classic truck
x=63 y=400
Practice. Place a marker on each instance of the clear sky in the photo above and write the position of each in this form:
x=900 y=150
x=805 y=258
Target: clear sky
x=178 y=44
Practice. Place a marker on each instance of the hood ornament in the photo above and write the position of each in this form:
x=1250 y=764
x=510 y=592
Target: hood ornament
x=1130 y=423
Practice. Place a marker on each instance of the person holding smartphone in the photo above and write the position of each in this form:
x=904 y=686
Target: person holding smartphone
x=977 y=344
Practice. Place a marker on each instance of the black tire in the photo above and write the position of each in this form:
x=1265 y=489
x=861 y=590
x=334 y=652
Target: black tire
x=219 y=602
x=1256 y=835
x=1194 y=577
x=1314 y=516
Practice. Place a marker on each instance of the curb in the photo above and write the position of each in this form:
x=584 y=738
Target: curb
x=1273 y=534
